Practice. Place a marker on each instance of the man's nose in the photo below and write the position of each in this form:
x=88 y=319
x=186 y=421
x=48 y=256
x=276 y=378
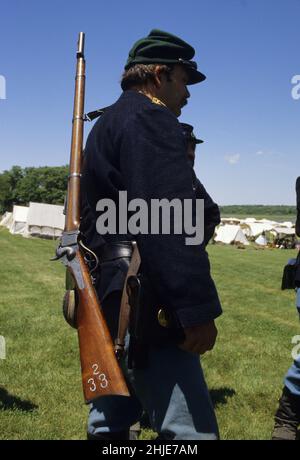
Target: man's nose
x=187 y=93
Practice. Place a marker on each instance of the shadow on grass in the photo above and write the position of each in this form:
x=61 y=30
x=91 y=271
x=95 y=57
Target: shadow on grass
x=10 y=402
x=221 y=395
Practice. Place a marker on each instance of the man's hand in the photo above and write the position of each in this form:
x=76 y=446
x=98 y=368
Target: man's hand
x=199 y=339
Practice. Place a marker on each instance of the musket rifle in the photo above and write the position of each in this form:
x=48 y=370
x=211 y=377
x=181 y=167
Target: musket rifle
x=101 y=374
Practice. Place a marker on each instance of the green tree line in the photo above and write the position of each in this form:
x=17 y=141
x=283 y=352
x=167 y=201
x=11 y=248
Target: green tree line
x=259 y=210
x=42 y=185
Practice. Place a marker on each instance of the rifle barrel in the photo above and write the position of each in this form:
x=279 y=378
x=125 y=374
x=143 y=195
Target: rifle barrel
x=80 y=46
x=73 y=209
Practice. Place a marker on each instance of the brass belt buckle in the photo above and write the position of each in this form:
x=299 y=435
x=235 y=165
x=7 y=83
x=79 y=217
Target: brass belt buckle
x=162 y=318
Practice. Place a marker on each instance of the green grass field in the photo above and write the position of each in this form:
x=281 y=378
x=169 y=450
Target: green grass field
x=40 y=382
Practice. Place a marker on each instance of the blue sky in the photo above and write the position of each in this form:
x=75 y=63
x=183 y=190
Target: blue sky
x=249 y=50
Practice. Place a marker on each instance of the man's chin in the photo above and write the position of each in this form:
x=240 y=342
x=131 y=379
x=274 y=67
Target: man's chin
x=177 y=112
x=180 y=108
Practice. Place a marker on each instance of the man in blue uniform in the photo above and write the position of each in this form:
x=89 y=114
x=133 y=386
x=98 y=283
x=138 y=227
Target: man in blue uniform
x=287 y=417
x=137 y=145
x=212 y=216
x=211 y=210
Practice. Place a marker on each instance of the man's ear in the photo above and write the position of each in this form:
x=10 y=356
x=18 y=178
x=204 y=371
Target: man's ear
x=158 y=76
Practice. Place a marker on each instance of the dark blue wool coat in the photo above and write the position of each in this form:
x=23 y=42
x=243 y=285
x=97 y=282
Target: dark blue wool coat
x=138 y=146
x=298 y=206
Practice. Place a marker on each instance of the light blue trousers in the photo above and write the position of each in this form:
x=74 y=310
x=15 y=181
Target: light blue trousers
x=174 y=394
x=292 y=378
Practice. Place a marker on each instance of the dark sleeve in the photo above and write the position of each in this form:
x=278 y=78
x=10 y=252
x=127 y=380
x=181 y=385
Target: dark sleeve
x=298 y=206
x=212 y=216
x=153 y=164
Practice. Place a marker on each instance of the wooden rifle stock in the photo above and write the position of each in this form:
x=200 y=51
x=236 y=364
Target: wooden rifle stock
x=101 y=374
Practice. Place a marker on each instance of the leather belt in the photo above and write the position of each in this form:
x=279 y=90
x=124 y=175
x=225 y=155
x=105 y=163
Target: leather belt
x=113 y=251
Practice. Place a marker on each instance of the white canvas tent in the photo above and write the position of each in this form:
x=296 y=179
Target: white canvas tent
x=45 y=220
x=267 y=221
x=230 y=220
x=287 y=224
x=6 y=220
x=284 y=231
x=230 y=234
x=253 y=229
x=19 y=219
x=261 y=240
x=249 y=220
